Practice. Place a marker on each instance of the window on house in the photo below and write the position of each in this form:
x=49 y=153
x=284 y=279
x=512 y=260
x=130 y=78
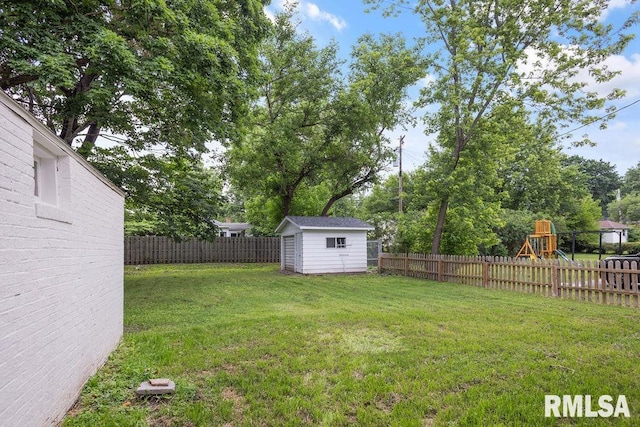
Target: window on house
x=51 y=181
x=45 y=180
x=336 y=242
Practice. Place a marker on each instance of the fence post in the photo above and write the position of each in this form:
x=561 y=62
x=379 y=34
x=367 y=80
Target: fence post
x=440 y=270
x=554 y=280
x=406 y=265
x=379 y=262
x=485 y=274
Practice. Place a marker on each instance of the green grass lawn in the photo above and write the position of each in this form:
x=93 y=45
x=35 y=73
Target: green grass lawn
x=247 y=345
x=587 y=257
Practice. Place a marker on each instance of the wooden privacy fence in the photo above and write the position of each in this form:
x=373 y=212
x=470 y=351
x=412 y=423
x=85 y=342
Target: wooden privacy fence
x=164 y=250
x=591 y=281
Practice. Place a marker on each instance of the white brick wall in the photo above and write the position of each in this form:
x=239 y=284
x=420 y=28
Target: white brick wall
x=61 y=279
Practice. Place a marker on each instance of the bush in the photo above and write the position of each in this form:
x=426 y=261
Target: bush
x=631 y=247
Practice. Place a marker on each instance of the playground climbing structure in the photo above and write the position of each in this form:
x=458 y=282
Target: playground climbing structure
x=543 y=243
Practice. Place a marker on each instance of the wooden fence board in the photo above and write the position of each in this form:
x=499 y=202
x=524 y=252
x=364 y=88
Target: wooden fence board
x=163 y=250
x=583 y=281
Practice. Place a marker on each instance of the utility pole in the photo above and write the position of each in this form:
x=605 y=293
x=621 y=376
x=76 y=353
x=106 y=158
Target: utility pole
x=400 y=174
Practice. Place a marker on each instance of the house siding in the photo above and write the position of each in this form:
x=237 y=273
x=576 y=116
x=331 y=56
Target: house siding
x=61 y=276
x=614 y=237
x=318 y=258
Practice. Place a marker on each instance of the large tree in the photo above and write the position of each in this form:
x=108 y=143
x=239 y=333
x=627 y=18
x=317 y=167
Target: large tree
x=177 y=73
x=166 y=195
x=315 y=136
x=603 y=180
x=485 y=52
x=631 y=181
x=627 y=209
x=513 y=174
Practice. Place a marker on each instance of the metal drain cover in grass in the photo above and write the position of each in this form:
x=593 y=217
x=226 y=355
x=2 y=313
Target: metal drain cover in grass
x=156 y=386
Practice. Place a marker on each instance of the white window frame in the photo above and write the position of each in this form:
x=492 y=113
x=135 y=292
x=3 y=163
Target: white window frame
x=336 y=242
x=36 y=174
x=51 y=181
x=45 y=173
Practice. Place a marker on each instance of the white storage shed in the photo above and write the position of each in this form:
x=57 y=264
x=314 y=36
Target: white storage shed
x=313 y=245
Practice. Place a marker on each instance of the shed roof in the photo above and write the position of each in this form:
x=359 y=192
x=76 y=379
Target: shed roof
x=324 y=222
x=612 y=225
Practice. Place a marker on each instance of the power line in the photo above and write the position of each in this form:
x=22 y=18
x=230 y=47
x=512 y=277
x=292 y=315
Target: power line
x=599 y=118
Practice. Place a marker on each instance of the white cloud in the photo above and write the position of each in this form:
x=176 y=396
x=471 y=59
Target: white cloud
x=613 y=4
x=270 y=16
x=617 y=125
x=627 y=79
x=426 y=80
x=311 y=11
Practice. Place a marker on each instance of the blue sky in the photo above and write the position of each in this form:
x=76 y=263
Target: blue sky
x=344 y=21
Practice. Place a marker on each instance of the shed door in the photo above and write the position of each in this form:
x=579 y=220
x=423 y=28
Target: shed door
x=289 y=253
x=298 y=253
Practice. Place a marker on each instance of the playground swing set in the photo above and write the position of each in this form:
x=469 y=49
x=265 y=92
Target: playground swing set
x=543 y=243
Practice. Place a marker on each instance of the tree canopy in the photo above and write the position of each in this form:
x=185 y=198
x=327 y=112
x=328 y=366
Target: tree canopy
x=514 y=174
x=627 y=209
x=152 y=76
x=315 y=136
x=602 y=179
x=165 y=195
x=152 y=72
x=488 y=53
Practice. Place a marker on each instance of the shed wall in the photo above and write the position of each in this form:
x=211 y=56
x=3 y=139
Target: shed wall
x=61 y=278
x=318 y=258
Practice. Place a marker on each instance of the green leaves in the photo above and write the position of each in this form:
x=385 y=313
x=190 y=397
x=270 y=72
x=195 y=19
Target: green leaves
x=162 y=73
x=316 y=137
x=167 y=196
x=486 y=55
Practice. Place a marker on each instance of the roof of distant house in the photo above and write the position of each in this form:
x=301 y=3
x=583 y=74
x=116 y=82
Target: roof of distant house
x=233 y=226
x=612 y=225
x=320 y=222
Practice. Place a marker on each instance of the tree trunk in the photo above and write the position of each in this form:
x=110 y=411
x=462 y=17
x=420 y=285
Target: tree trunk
x=437 y=234
x=444 y=202
x=90 y=140
x=333 y=199
x=286 y=204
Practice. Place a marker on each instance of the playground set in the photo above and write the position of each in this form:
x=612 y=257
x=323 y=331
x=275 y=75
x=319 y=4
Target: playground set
x=543 y=243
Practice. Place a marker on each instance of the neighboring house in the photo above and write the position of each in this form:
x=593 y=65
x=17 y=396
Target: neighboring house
x=232 y=229
x=616 y=231
x=312 y=245
x=61 y=270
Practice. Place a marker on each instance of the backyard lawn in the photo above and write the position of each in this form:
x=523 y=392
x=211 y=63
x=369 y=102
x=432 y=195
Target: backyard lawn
x=248 y=345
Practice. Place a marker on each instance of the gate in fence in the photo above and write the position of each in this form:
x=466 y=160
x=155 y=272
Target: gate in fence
x=374 y=248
